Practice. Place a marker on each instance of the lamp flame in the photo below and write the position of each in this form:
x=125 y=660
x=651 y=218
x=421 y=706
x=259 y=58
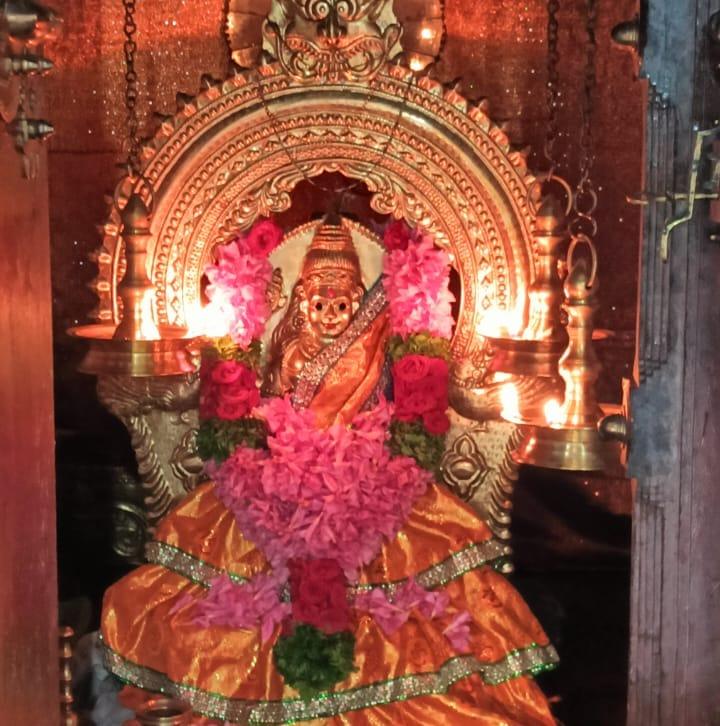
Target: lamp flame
x=509 y=402
x=148 y=329
x=497 y=323
x=210 y=321
x=553 y=412
x=416 y=64
x=427 y=33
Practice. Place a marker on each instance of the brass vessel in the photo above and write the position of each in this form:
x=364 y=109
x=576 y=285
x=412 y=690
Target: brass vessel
x=574 y=440
x=136 y=347
x=165 y=712
x=535 y=355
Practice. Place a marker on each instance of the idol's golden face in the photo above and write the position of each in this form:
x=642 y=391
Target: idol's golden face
x=330 y=310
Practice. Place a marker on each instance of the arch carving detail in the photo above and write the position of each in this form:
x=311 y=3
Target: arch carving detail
x=238 y=149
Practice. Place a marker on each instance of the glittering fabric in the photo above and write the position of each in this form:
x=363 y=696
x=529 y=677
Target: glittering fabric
x=491 y=552
x=149 y=619
x=411 y=676
x=531 y=660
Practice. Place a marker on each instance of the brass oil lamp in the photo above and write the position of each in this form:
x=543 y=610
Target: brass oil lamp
x=165 y=712
x=136 y=347
x=534 y=355
x=576 y=435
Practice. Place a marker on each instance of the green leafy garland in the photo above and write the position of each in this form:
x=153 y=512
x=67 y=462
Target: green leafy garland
x=412 y=439
x=419 y=344
x=312 y=661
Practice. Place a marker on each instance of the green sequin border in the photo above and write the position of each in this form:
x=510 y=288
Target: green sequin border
x=491 y=552
x=525 y=661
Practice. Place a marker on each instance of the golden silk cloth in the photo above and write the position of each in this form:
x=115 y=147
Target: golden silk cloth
x=413 y=676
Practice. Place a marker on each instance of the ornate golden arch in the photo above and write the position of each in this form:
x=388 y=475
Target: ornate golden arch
x=237 y=150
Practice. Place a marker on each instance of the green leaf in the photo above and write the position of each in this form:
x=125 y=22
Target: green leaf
x=225 y=349
x=412 y=439
x=312 y=661
x=419 y=344
x=217 y=439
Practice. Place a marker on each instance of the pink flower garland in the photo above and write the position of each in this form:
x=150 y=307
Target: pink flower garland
x=336 y=493
x=416 y=279
x=239 y=280
x=392 y=613
x=246 y=606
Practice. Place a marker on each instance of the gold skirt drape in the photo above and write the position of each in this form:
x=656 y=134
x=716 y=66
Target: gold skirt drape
x=410 y=677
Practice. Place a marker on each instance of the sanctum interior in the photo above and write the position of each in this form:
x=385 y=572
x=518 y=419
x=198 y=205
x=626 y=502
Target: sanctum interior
x=357 y=349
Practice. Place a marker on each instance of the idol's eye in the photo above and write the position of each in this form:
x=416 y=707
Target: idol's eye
x=318 y=306
x=342 y=307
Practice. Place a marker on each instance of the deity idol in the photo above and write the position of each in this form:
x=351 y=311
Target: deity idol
x=439 y=636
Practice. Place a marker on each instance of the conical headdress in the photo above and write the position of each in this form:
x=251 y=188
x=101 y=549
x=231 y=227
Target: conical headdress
x=332 y=251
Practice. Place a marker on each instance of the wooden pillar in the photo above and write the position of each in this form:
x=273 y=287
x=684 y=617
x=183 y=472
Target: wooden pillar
x=28 y=578
x=675 y=621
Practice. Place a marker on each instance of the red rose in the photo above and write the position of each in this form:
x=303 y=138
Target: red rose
x=411 y=368
x=420 y=385
x=226 y=371
x=208 y=390
x=263 y=238
x=436 y=422
x=397 y=236
x=318 y=590
x=208 y=404
x=228 y=390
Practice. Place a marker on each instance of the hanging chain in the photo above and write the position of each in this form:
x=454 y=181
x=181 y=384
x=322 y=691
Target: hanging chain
x=552 y=96
x=586 y=199
x=552 y=93
x=131 y=90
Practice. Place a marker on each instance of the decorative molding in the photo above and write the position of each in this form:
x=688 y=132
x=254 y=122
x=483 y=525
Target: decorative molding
x=478 y=467
x=332 y=40
x=161 y=415
x=425 y=154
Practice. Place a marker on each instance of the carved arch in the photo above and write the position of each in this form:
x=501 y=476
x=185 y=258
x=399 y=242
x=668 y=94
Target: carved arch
x=238 y=149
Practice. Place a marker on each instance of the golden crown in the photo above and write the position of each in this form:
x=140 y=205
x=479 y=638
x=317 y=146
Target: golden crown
x=332 y=251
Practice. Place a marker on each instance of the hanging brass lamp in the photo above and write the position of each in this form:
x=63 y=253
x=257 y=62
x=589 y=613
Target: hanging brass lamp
x=577 y=436
x=136 y=346
x=534 y=355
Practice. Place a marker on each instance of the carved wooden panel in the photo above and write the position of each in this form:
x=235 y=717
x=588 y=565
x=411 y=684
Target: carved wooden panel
x=28 y=596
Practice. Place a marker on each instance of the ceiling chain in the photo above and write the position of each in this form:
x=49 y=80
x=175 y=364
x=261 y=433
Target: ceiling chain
x=586 y=199
x=131 y=89
x=552 y=93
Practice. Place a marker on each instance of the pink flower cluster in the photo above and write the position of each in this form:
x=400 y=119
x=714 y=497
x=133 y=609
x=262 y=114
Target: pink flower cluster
x=391 y=613
x=416 y=278
x=239 y=280
x=228 y=390
x=246 y=606
x=332 y=493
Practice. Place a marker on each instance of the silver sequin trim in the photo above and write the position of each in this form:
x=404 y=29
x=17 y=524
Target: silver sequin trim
x=491 y=552
x=172 y=558
x=315 y=370
x=531 y=660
